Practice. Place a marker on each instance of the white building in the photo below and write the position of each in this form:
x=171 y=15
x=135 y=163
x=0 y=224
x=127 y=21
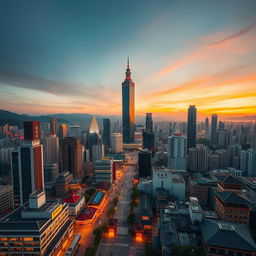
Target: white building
x=75 y=204
x=117 y=143
x=177 y=152
x=195 y=211
x=165 y=178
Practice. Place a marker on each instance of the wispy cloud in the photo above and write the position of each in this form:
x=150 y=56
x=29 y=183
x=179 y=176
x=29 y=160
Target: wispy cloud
x=235 y=35
x=205 y=50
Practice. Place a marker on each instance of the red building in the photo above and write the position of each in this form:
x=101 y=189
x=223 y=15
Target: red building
x=231 y=206
x=27 y=164
x=229 y=183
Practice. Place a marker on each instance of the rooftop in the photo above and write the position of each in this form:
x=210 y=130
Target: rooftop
x=25 y=219
x=227 y=234
x=233 y=198
x=94 y=128
x=87 y=213
x=229 y=180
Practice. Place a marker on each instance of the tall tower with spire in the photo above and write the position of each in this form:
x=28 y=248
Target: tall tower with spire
x=128 y=106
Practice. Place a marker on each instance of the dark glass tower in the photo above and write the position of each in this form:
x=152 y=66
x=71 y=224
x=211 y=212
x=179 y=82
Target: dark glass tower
x=149 y=122
x=191 y=126
x=145 y=165
x=106 y=132
x=128 y=107
x=214 y=128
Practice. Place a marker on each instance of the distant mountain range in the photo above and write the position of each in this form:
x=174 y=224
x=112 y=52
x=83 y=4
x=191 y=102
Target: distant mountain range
x=11 y=118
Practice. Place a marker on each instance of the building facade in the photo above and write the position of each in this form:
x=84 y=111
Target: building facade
x=128 y=118
x=72 y=156
x=191 y=134
x=27 y=164
x=177 y=152
x=145 y=163
x=40 y=227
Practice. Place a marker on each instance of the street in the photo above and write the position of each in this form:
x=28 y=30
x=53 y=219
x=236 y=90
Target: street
x=123 y=244
x=122 y=188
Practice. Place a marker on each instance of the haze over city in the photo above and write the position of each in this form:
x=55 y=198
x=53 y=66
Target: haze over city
x=70 y=57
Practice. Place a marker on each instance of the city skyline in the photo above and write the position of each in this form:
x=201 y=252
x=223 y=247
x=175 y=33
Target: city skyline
x=181 y=54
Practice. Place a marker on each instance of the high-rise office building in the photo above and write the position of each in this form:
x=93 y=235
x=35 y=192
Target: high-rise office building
x=106 y=133
x=191 y=127
x=248 y=162
x=221 y=138
x=148 y=141
x=214 y=128
x=149 y=122
x=117 y=143
x=62 y=131
x=128 y=107
x=198 y=158
x=27 y=164
x=53 y=125
x=202 y=158
x=177 y=152
x=72 y=156
x=94 y=142
x=234 y=155
x=51 y=172
x=75 y=132
x=207 y=128
x=145 y=164
x=51 y=149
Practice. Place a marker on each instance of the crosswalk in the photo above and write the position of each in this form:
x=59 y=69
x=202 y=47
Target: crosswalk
x=132 y=251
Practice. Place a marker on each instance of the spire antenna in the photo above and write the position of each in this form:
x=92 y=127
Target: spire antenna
x=128 y=64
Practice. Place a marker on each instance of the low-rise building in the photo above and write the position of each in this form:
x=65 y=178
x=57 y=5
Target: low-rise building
x=75 y=204
x=39 y=227
x=221 y=238
x=231 y=206
x=171 y=181
x=103 y=170
x=62 y=185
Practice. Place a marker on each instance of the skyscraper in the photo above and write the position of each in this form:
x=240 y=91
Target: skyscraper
x=128 y=107
x=213 y=128
x=145 y=164
x=149 y=122
x=27 y=164
x=106 y=133
x=51 y=149
x=53 y=125
x=177 y=152
x=117 y=143
x=148 y=141
x=207 y=128
x=94 y=142
x=191 y=127
x=72 y=156
x=62 y=131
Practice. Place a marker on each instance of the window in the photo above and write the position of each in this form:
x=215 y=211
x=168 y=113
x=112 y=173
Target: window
x=28 y=239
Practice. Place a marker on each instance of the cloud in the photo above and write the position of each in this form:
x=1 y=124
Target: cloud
x=70 y=90
x=209 y=50
x=235 y=35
